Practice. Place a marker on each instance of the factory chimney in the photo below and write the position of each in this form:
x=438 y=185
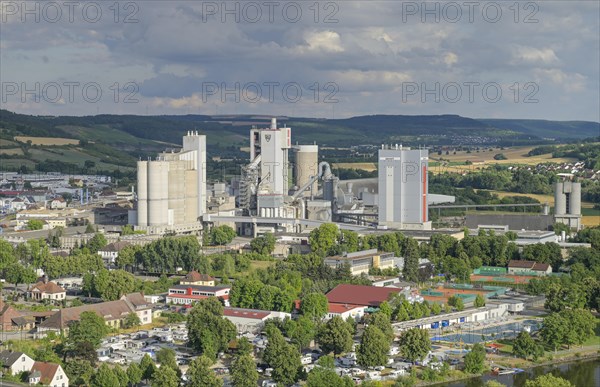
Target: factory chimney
x=273 y=123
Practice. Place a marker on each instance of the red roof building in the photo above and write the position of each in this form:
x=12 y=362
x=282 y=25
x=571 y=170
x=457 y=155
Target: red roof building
x=360 y=295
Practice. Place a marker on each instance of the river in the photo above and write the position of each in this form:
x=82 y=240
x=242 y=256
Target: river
x=584 y=373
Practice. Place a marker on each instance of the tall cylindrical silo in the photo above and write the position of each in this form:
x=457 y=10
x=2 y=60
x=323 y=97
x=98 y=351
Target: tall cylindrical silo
x=575 y=199
x=142 y=193
x=307 y=161
x=560 y=199
x=158 y=193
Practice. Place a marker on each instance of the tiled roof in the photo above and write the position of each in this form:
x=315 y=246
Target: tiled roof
x=115 y=246
x=342 y=308
x=360 y=294
x=46 y=370
x=531 y=265
x=201 y=287
x=520 y=264
x=8 y=358
x=111 y=310
x=194 y=276
x=254 y=314
x=49 y=287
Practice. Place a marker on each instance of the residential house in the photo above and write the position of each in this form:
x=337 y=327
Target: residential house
x=517 y=267
x=113 y=312
x=111 y=251
x=12 y=319
x=47 y=290
x=15 y=362
x=48 y=374
x=195 y=278
x=58 y=203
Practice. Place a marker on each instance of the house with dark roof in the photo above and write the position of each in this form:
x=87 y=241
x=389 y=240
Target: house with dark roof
x=113 y=312
x=361 y=295
x=111 y=251
x=195 y=278
x=46 y=290
x=48 y=374
x=518 y=267
x=15 y=362
x=12 y=319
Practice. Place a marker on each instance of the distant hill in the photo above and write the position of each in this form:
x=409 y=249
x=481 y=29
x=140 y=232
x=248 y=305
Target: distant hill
x=119 y=140
x=548 y=129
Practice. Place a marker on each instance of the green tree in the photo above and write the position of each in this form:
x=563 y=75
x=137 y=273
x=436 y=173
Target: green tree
x=166 y=377
x=284 y=358
x=479 y=301
x=121 y=376
x=166 y=358
x=300 y=331
x=243 y=371
x=524 y=346
x=554 y=330
x=35 y=224
x=200 y=375
x=415 y=344
x=323 y=238
x=80 y=372
x=386 y=309
x=335 y=336
x=456 y=302
x=382 y=321
x=132 y=320
x=548 y=380
x=374 y=347
x=325 y=376
x=314 y=306
x=475 y=359
x=222 y=235
x=264 y=244
x=411 y=260
x=147 y=367
x=209 y=333
x=96 y=243
x=134 y=374
x=104 y=377
x=90 y=328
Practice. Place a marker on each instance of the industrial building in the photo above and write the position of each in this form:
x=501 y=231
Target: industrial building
x=362 y=261
x=567 y=202
x=403 y=188
x=171 y=195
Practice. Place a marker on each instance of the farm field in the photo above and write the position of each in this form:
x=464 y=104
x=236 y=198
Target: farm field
x=70 y=155
x=47 y=140
x=369 y=167
x=11 y=151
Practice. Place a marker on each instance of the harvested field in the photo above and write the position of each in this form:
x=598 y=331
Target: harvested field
x=369 y=167
x=58 y=141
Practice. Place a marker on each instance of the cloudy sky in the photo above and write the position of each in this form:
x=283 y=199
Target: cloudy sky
x=304 y=58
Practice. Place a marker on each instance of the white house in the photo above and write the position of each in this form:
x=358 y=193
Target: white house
x=18 y=204
x=47 y=290
x=48 y=374
x=58 y=203
x=16 y=362
x=111 y=251
x=345 y=311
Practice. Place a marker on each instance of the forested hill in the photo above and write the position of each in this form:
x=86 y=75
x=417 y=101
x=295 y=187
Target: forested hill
x=233 y=129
